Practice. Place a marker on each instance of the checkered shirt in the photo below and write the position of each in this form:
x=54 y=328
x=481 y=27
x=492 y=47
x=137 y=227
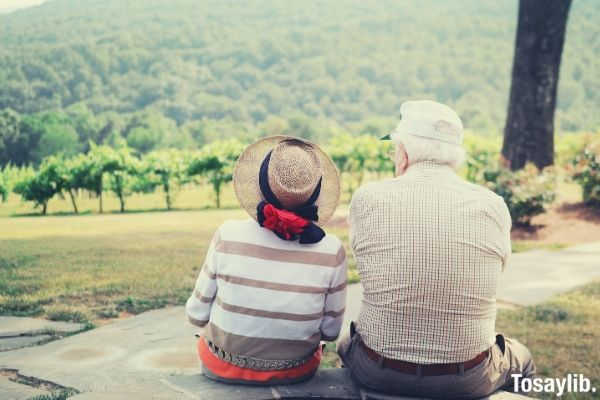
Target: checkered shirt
x=429 y=249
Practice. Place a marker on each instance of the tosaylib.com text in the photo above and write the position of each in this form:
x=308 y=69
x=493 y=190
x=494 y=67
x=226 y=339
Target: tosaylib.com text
x=572 y=383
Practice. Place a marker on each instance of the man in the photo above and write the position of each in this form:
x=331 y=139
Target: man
x=429 y=248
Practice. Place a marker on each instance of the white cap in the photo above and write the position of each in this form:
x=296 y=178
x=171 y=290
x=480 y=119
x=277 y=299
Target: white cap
x=430 y=120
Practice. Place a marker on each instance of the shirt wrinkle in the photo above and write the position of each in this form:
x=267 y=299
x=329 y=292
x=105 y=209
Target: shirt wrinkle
x=429 y=248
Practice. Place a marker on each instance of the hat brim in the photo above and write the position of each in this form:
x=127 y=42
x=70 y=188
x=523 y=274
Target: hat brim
x=386 y=137
x=245 y=177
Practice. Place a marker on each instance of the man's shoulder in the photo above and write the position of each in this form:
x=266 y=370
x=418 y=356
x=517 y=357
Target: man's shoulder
x=369 y=188
x=484 y=193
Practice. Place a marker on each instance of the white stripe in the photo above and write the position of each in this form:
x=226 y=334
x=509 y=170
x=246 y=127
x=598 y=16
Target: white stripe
x=332 y=326
x=197 y=309
x=260 y=327
x=270 y=300
x=336 y=301
x=275 y=271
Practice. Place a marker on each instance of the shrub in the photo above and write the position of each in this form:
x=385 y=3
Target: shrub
x=526 y=192
x=585 y=170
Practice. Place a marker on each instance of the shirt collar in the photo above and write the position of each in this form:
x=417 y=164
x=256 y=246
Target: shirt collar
x=428 y=168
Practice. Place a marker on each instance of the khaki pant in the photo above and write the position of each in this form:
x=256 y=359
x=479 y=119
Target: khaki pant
x=506 y=357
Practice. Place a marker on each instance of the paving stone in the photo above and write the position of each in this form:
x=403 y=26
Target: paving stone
x=535 y=276
x=12 y=343
x=10 y=390
x=16 y=326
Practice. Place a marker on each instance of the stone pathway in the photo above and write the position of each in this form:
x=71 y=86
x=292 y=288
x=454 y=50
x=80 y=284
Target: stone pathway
x=152 y=355
x=17 y=332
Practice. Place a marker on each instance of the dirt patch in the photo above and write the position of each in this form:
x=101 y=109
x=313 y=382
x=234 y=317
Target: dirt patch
x=568 y=223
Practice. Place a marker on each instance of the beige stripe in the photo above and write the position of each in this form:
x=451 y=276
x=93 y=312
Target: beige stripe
x=208 y=273
x=203 y=298
x=272 y=254
x=265 y=348
x=282 y=287
x=268 y=314
x=337 y=288
x=334 y=314
x=197 y=322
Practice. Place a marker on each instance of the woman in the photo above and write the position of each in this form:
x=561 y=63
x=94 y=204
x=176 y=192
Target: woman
x=272 y=287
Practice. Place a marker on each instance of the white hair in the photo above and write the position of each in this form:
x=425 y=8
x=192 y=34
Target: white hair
x=422 y=149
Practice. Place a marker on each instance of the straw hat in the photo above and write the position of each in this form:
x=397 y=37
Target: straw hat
x=295 y=168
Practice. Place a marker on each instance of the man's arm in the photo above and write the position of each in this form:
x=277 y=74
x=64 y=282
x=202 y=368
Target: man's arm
x=335 y=301
x=199 y=304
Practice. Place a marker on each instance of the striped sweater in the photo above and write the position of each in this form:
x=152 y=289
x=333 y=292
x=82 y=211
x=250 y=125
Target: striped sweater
x=263 y=297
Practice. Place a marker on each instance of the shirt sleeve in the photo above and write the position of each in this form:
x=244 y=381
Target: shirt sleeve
x=199 y=304
x=507 y=240
x=505 y=223
x=335 y=300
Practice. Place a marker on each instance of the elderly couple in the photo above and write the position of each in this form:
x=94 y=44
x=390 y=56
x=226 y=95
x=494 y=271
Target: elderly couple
x=429 y=248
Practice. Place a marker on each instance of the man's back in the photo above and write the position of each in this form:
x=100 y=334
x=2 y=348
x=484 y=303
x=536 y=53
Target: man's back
x=429 y=247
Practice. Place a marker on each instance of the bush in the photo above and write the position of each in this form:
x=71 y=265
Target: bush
x=526 y=192
x=585 y=170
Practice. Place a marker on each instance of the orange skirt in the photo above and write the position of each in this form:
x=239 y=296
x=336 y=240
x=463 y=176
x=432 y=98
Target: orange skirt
x=225 y=370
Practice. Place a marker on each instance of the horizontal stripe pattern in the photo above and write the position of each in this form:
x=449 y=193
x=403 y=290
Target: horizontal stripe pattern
x=265 y=348
x=268 y=314
x=203 y=299
x=197 y=322
x=268 y=298
x=274 y=254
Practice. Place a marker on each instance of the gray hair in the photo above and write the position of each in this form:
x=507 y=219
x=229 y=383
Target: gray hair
x=422 y=149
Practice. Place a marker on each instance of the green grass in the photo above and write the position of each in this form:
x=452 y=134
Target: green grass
x=563 y=334
x=94 y=266
x=519 y=246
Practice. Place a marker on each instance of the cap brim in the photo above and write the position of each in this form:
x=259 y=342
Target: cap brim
x=386 y=137
x=245 y=177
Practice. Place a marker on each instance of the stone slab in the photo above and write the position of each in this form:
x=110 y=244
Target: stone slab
x=332 y=384
x=12 y=343
x=127 y=356
x=536 y=276
x=17 y=326
x=10 y=390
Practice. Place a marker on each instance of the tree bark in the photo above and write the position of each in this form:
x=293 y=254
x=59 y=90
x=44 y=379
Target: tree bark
x=529 y=130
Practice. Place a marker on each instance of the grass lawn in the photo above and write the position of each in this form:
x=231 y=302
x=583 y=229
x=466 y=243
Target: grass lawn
x=98 y=267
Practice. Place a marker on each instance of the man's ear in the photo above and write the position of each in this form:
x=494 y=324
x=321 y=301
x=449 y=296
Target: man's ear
x=401 y=160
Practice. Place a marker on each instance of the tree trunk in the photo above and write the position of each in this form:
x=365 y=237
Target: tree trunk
x=529 y=130
x=122 y=201
x=100 y=196
x=72 y=195
x=168 y=196
x=44 y=208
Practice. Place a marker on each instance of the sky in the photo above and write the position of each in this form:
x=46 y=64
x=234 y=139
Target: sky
x=7 y=6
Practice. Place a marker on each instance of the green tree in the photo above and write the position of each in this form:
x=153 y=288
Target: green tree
x=168 y=170
x=99 y=161
x=122 y=175
x=43 y=185
x=216 y=162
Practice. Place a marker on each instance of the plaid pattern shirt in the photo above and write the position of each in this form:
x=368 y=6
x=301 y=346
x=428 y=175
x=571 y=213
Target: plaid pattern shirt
x=429 y=249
